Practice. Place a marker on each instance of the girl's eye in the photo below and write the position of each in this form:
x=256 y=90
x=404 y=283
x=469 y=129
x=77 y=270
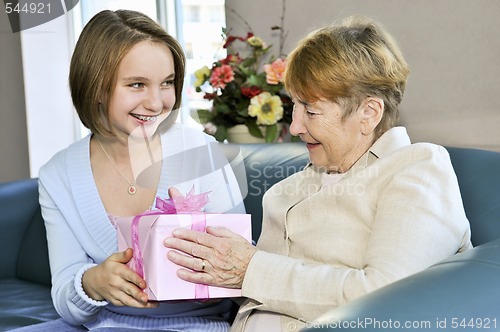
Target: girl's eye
x=137 y=85
x=168 y=83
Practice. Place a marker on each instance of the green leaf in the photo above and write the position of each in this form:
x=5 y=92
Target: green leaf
x=222 y=108
x=202 y=116
x=221 y=134
x=258 y=80
x=271 y=133
x=254 y=129
x=248 y=62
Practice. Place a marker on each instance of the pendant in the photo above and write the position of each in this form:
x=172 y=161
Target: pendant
x=132 y=190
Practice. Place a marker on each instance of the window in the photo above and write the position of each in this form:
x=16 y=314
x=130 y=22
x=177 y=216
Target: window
x=191 y=13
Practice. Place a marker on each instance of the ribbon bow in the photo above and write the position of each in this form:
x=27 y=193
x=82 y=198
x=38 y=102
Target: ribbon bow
x=183 y=204
x=189 y=204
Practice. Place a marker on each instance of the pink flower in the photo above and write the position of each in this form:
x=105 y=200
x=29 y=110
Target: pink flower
x=275 y=71
x=221 y=76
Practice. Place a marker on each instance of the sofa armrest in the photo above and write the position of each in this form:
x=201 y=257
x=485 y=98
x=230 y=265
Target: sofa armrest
x=23 y=240
x=18 y=206
x=454 y=291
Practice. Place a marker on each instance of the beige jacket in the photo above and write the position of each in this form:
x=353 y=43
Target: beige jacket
x=397 y=211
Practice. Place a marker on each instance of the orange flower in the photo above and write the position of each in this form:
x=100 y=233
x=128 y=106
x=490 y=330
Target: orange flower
x=221 y=76
x=274 y=71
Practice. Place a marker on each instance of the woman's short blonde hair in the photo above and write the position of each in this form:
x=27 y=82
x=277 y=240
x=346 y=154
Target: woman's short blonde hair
x=346 y=63
x=103 y=43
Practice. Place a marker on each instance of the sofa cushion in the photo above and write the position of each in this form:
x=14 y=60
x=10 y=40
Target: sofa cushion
x=24 y=303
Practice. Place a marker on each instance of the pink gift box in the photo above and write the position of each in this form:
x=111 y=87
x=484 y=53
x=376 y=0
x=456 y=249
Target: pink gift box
x=159 y=272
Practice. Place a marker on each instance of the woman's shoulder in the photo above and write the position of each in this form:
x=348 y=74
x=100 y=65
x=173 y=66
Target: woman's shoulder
x=422 y=151
x=395 y=145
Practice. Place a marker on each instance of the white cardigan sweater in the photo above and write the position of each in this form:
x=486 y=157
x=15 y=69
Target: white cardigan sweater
x=80 y=234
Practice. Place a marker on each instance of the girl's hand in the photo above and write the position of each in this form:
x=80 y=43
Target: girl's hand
x=116 y=283
x=218 y=257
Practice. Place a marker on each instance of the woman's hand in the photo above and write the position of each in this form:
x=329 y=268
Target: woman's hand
x=116 y=283
x=218 y=257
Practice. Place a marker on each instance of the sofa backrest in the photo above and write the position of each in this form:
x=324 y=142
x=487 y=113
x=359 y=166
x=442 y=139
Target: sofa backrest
x=265 y=165
x=478 y=173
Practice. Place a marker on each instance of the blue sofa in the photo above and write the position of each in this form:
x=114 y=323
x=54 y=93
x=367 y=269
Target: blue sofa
x=467 y=283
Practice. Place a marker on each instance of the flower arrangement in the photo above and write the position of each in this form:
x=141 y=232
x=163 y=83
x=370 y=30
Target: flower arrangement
x=245 y=91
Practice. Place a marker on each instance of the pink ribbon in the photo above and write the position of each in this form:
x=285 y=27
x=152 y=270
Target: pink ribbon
x=189 y=204
x=199 y=224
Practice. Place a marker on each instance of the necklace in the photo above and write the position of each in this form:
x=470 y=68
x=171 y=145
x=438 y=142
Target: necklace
x=131 y=189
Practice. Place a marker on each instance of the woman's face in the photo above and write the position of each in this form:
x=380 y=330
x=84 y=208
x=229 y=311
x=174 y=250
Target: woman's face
x=333 y=142
x=144 y=87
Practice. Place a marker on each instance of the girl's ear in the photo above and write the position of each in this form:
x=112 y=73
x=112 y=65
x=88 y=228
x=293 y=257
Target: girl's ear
x=372 y=112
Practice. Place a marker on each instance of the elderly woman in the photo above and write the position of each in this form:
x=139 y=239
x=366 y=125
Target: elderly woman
x=369 y=209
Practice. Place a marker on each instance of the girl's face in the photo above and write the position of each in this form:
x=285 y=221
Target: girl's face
x=144 y=88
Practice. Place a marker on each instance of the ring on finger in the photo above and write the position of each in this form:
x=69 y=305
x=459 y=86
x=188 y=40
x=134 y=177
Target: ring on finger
x=203 y=265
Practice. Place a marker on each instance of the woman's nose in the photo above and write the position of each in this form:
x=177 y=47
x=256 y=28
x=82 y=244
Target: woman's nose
x=297 y=125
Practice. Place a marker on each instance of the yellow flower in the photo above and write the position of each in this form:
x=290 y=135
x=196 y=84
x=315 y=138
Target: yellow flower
x=267 y=108
x=201 y=76
x=256 y=42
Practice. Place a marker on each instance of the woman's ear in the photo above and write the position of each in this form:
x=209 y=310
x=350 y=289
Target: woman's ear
x=372 y=112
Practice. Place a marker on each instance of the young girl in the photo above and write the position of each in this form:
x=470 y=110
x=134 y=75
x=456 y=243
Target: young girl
x=126 y=79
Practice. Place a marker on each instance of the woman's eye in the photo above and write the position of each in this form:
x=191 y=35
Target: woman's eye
x=308 y=112
x=137 y=85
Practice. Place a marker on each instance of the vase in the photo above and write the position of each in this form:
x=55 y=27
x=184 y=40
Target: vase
x=239 y=134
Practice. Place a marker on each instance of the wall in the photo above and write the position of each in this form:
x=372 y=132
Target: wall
x=14 y=160
x=36 y=110
x=452 y=47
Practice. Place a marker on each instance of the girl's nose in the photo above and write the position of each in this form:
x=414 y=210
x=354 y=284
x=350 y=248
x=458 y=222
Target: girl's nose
x=153 y=101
